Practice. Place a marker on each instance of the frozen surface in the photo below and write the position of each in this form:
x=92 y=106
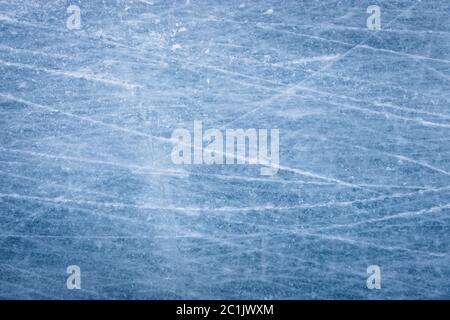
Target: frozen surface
x=364 y=119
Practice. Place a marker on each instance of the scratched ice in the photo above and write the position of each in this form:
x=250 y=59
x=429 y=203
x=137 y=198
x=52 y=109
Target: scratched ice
x=87 y=179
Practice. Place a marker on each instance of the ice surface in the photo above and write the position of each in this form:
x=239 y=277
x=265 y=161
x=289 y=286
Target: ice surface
x=364 y=120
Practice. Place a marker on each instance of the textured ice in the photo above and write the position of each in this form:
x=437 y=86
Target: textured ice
x=364 y=121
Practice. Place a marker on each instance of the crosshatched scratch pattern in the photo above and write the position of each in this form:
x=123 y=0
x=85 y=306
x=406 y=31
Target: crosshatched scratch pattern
x=87 y=179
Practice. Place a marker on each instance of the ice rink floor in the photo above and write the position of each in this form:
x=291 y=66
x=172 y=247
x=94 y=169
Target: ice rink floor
x=86 y=176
